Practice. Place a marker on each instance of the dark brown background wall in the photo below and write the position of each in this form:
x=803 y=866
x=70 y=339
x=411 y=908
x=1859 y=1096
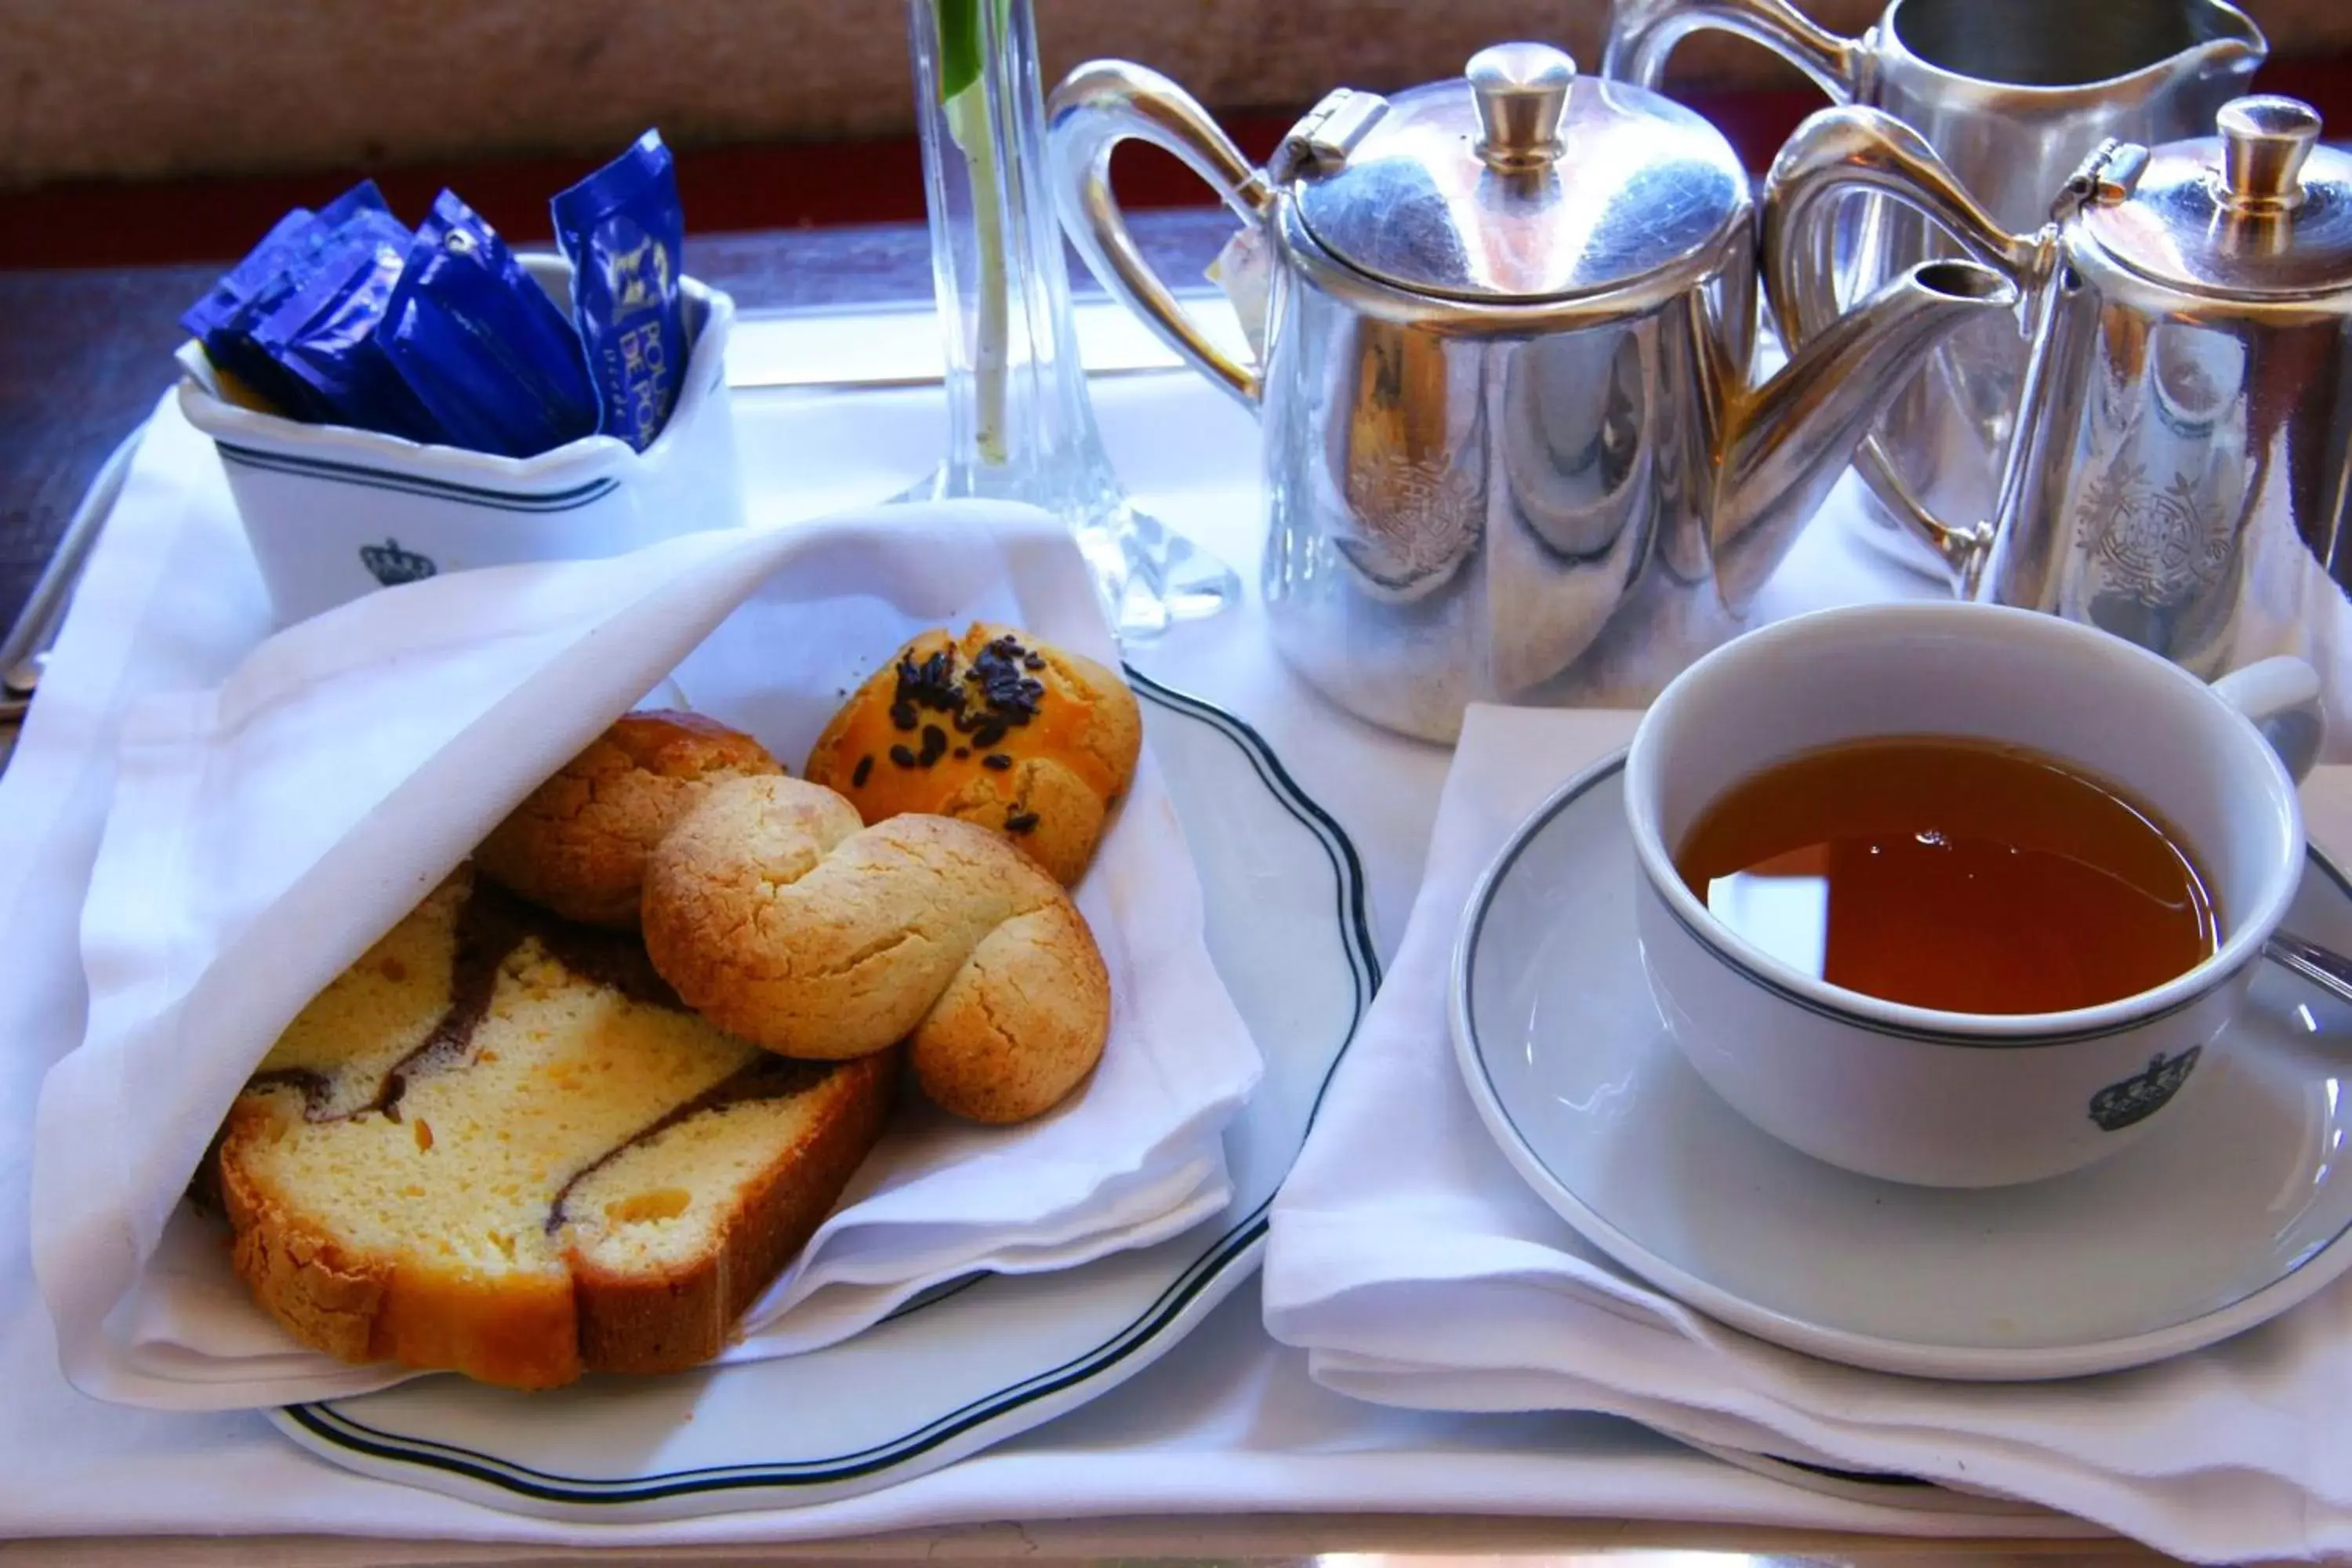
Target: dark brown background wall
x=148 y=88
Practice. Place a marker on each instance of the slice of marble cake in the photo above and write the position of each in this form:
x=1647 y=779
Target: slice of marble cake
x=498 y=1145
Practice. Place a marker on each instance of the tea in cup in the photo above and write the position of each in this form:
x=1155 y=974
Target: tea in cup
x=1960 y=896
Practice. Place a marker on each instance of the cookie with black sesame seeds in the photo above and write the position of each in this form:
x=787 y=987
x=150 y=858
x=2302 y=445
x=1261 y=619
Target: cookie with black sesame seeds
x=1033 y=741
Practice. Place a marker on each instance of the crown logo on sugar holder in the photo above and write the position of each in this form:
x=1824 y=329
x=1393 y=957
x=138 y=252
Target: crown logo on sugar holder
x=391 y=565
x=2143 y=1094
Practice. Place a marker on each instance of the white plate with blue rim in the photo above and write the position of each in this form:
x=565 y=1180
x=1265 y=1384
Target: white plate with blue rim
x=976 y=1362
x=1880 y=1489
x=2237 y=1209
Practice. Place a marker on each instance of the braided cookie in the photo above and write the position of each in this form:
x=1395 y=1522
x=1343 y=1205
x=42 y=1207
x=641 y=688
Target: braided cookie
x=577 y=844
x=995 y=728
x=778 y=915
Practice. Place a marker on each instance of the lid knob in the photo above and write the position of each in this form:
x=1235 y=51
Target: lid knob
x=1519 y=91
x=2265 y=141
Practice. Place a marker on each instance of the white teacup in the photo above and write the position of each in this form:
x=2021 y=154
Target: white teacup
x=1949 y=1099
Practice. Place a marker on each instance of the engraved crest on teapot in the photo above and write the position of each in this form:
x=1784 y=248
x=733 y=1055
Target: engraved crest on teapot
x=2160 y=544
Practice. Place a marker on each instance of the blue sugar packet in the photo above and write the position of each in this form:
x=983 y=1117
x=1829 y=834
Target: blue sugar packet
x=324 y=335
x=223 y=320
x=355 y=205
x=489 y=355
x=623 y=229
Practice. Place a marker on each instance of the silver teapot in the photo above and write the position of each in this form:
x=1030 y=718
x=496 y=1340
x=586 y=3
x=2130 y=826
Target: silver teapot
x=1512 y=451
x=2181 y=474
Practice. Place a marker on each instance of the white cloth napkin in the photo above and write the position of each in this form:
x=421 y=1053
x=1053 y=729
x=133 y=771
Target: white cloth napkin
x=264 y=833
x=1419 y=1270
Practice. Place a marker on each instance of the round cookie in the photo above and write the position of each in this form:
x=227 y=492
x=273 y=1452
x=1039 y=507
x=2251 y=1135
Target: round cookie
x=577 y=844
x=992 y=728
x=777 y=915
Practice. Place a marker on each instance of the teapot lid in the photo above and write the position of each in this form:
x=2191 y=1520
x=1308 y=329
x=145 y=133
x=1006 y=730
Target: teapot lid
x=2261 y=210
x=1518 y=181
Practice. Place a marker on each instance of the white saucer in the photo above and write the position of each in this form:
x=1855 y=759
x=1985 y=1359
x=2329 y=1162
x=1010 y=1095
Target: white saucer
x=2237 y=1210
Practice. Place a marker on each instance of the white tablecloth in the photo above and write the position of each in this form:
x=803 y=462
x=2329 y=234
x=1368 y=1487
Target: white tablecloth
x=1228 y=1423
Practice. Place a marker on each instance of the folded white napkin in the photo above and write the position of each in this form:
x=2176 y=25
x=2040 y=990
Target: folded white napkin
x=1419 y=1270
x=263 y=835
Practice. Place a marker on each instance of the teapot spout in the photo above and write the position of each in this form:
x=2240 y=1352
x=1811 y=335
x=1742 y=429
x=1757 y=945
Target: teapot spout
x=1796 y=434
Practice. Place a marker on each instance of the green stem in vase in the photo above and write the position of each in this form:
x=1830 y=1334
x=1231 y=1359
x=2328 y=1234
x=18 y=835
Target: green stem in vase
x=964 y=104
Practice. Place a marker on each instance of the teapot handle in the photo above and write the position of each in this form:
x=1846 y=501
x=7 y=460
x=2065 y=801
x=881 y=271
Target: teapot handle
x=1097 y=106
x=1837 y=152
x=1643 y=33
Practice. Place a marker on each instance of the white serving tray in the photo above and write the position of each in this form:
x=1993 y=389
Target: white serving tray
x=1227 y=1420
x=844 y=409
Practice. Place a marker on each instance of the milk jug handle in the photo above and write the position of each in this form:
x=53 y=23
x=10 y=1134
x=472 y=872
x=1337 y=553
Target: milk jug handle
x=2281 y=697
x=1838 y=151
x=1643 y=33
x=1096 y=108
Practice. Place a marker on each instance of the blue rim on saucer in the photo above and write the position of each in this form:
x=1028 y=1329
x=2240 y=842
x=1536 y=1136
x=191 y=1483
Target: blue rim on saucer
x=2206 y=1228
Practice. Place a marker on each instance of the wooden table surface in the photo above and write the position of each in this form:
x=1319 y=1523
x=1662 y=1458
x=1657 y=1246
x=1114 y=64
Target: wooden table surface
x=84 y=358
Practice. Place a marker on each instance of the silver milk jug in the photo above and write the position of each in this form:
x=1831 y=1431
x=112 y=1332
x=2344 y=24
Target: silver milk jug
x=2011 y=94
x=2183 y=468
x=1511 y=450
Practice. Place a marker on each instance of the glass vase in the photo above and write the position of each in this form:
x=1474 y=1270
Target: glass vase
x=1020 y=424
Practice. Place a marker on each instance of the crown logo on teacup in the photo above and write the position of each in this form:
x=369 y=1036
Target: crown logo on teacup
x=391 y=565
x=2144 y=1094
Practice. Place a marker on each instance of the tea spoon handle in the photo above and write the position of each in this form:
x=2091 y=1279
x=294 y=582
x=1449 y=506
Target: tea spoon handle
x=2330 y=971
